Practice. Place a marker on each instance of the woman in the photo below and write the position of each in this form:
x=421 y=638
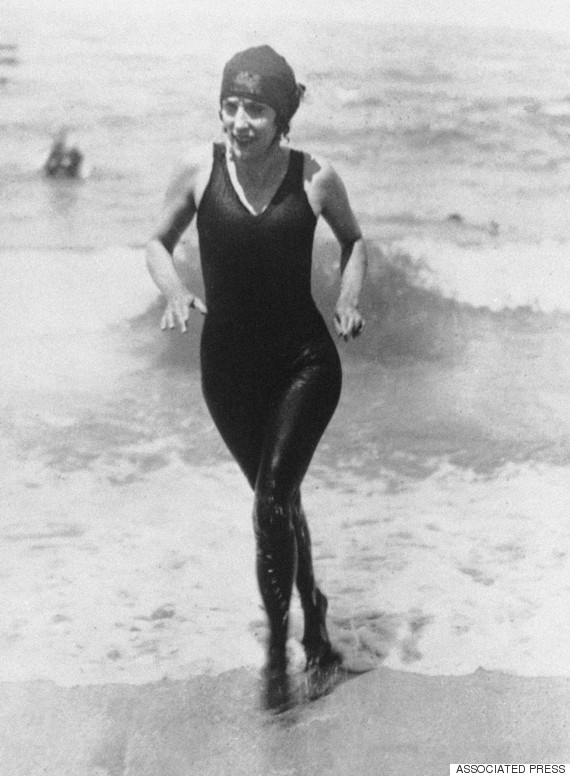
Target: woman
x=271 y=374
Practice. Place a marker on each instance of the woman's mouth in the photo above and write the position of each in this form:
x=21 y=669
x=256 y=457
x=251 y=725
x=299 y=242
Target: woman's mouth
x=243 y=140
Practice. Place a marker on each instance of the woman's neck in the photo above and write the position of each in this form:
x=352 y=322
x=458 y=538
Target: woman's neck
x=260 y=171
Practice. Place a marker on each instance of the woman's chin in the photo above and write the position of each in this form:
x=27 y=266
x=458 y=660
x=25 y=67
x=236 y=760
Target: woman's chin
x=242 y=152
x=246 y=151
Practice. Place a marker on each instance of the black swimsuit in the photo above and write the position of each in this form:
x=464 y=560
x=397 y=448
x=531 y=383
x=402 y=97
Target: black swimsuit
x=271 y=374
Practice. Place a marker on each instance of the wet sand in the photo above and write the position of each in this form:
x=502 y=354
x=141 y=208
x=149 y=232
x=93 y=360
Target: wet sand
x=383 y=722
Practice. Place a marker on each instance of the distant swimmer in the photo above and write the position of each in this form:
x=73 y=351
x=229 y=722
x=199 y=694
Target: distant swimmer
x=63 y=161
x=271 y=373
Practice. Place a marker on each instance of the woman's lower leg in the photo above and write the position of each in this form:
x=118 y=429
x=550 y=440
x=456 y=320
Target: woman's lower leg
x=276 y=563
x=312 y=599
x=318 y=648
x=297 y=420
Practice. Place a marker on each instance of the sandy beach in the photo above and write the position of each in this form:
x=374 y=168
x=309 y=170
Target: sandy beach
x=380 y=723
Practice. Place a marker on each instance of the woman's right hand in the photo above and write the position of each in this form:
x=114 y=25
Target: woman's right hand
x=178 y=310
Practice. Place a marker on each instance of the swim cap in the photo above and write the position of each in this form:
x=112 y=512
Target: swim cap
x=261 y=74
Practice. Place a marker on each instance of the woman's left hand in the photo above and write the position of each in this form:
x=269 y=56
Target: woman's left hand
x=347 y=320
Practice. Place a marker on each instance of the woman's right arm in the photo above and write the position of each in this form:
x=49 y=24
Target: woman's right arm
x=180 y=208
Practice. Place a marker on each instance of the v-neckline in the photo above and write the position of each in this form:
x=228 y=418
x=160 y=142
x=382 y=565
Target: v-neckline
x=274 y=195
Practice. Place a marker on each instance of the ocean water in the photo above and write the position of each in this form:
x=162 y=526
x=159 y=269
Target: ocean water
x=439 y=494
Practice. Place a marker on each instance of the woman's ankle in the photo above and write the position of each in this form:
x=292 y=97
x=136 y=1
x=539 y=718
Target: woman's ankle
x=315 y=634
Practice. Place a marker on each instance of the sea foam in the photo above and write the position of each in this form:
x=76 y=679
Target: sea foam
x=508 y=276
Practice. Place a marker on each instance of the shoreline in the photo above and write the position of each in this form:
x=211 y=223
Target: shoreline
x=382 y=722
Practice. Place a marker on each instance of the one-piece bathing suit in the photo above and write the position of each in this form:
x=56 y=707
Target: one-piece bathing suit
x=271 y=374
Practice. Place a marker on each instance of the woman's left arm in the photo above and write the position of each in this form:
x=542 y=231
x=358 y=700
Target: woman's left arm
x=337 y=212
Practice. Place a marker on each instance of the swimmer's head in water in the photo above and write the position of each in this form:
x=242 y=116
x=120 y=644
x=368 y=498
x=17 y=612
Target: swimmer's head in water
x=261 y=74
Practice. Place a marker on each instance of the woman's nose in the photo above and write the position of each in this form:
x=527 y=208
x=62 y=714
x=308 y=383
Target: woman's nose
x=241 y=118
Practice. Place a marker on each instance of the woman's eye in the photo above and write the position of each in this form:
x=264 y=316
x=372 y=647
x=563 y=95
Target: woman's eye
x=254 y=110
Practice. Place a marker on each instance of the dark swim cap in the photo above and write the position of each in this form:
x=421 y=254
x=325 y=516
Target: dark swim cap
x=261 y=74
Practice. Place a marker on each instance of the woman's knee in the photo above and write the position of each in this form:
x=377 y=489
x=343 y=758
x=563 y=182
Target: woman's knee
x=273 y=510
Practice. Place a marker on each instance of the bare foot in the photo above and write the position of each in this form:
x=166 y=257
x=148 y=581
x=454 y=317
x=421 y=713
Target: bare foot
x=277 y=693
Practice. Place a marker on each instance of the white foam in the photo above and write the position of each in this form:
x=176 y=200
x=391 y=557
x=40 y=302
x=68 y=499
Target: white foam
x=469 y=572
x=557 y=109
x=506 y=276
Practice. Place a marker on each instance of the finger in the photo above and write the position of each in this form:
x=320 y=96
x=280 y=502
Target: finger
x=181 y=315
x=357 y=329
x=199 y=305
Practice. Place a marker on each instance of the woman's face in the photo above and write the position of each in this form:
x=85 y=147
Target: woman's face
x=250 y=126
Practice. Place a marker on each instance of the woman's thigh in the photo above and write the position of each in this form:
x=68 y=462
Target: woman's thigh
x=238 y=418
x=271 y=416
x=299 y=414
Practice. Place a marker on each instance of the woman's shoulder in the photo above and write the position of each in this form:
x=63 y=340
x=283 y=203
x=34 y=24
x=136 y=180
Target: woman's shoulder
x=191 y=174
x=320 y=180
x=196 y=162
x=318 y=171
